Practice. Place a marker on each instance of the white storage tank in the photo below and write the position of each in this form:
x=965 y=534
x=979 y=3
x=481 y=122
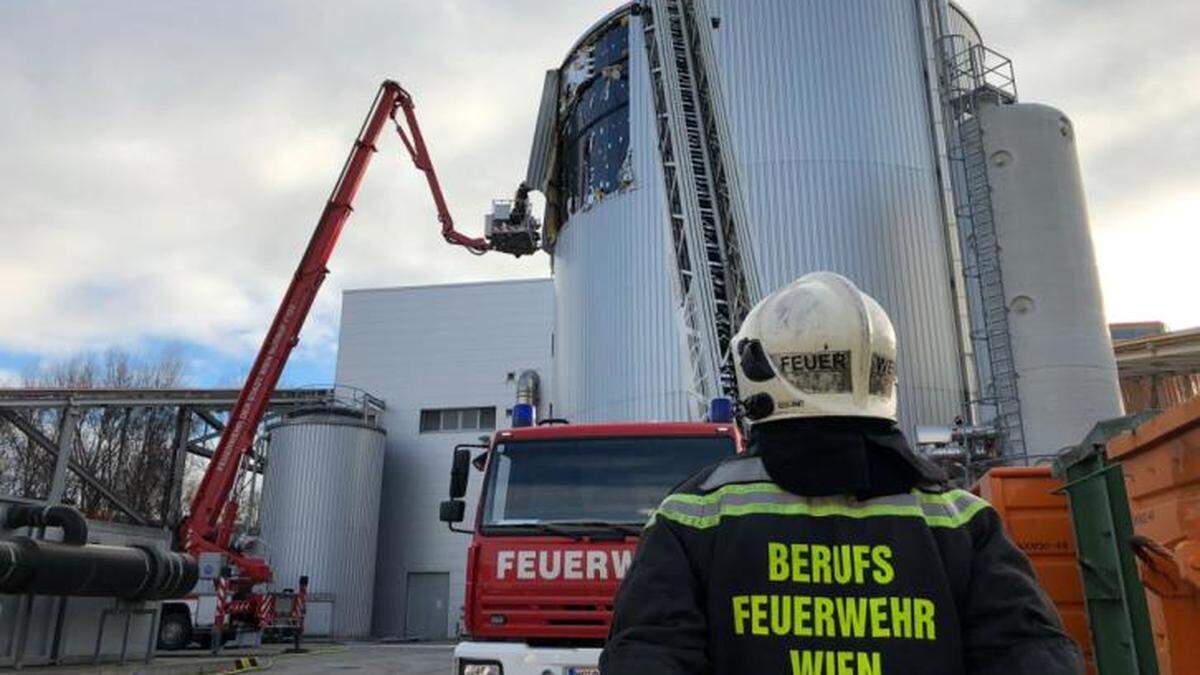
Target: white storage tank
x=320 y=509
x=1066 y=371
x=828 y=112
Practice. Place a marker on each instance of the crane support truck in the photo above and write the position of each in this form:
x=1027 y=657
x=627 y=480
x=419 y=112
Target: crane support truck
x=232 y=596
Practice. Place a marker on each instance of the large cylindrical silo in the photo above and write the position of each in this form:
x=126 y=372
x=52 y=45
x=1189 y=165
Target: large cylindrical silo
x=1062 y=354
x=618 y=351
x=320 y=509
x=828 y=115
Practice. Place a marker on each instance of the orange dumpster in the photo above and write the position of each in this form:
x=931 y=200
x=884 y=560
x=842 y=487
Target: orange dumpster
x=1037 y=518
x=1161 y=462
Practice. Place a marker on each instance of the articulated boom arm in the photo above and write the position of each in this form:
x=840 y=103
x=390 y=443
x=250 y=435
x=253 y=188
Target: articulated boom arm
x=415 y=143
x=210 y=522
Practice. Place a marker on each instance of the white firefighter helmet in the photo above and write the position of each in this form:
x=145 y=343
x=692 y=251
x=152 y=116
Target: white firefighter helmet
x=818 y=347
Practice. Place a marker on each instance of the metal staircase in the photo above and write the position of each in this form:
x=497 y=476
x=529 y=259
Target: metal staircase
x=973 y=76
x=715 y=283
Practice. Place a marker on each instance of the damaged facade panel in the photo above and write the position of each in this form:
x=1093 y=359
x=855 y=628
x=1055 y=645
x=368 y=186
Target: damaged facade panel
x=541 y=155
x=595 y=121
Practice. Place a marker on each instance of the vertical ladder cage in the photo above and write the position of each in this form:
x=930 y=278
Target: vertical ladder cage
x=973 y=76
x=715 y=282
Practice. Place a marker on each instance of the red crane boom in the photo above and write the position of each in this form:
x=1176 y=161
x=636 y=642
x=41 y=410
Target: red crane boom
x=209 y=524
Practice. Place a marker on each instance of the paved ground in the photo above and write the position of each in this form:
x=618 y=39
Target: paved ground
x=402 y=659
x=356 y=658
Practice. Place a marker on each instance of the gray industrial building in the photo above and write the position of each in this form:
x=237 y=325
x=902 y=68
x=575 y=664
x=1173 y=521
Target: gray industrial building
x=445 y=359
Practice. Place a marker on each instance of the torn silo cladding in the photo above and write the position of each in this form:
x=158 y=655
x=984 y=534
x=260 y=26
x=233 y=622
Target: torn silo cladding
x=596 y=132
x=320 y=510
x=1062 y=354
x=824 y=111
x=617 y=345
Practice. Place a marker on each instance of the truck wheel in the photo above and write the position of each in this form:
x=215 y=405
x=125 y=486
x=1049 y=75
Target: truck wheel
x=174 y=631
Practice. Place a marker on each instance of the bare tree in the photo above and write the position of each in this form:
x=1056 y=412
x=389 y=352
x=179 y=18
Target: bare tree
x=129 y=449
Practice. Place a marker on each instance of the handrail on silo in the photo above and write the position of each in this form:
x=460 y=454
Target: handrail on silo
x=973 y=69
x=350 y=397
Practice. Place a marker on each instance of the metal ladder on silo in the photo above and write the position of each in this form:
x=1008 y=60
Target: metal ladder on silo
x=993 y=305
x=971 y=75
x=715 y=280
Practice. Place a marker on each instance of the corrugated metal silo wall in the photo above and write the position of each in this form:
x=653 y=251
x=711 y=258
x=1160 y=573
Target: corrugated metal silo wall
x=320 y=512
x=618 y=348
x=829 y=111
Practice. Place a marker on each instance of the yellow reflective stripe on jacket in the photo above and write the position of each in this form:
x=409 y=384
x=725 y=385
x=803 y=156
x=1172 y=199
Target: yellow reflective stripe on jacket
x=954 y=508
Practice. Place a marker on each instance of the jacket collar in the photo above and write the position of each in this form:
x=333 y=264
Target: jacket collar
x=824 y=456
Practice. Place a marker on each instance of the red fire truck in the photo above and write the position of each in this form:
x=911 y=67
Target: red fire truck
x=559 y=514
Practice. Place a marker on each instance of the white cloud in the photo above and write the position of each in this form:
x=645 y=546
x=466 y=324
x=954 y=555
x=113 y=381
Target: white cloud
x=9 y=378
x=164 y=163
x=1128 y=74
x=1161 y=288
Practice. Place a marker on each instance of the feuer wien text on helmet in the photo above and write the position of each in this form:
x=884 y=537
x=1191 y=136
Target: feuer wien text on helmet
x=829 y=372
x=816 y=372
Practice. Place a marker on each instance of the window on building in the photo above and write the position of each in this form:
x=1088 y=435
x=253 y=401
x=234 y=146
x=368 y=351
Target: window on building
x=457 y=419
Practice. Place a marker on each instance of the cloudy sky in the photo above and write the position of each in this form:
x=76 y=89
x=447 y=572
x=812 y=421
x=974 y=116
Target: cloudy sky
x=163 y=163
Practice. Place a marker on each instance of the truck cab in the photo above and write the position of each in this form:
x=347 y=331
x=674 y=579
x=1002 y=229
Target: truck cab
x=559 y=516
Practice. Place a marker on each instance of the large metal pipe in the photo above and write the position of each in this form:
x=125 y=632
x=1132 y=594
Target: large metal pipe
x=130 y=572
x=74 y=567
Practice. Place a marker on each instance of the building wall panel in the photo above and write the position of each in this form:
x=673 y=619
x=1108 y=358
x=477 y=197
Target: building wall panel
x=435 y=347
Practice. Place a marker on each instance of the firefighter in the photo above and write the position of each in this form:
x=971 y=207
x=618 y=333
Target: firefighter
x=829 y=547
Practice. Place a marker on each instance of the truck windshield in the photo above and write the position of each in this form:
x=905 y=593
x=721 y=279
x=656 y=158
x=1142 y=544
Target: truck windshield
x=591 y=480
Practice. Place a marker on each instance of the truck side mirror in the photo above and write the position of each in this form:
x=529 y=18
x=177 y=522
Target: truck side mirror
x=459 y=473
x=452 y=511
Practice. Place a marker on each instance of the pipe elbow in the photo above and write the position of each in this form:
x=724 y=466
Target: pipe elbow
x=72 y=522
x=529 y=387
x=68 y=518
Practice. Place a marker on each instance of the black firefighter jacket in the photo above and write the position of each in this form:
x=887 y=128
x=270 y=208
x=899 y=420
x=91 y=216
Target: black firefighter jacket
x=737 y=576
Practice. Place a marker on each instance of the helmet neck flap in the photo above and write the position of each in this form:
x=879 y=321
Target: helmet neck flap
x=823 y=456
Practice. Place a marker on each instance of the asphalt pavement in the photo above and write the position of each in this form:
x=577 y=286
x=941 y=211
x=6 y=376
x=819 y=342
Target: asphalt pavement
x=401 y=659
x=363 y=658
